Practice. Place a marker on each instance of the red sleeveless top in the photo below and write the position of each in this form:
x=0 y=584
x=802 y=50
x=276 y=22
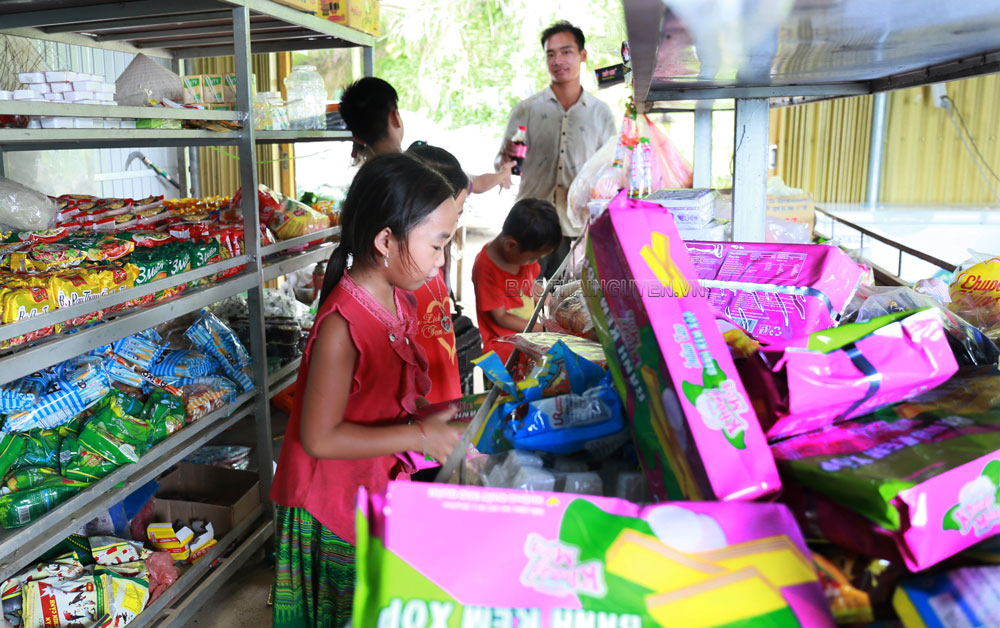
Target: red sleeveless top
x=390 y=374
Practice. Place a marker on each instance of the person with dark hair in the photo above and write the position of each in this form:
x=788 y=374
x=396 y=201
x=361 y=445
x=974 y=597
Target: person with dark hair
x=362 y=374
x=565 y=127
x=369 y=107
x=505 y=271
x=435 y=327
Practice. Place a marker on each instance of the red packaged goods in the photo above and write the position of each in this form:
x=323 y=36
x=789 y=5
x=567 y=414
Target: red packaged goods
x=150 y=239
x=46 y=235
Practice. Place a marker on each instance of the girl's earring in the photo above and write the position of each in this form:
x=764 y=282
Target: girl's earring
x=386 y=259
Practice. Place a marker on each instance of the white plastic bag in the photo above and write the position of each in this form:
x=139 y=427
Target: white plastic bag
x=598 y=179
x=24 y=209
x=144 y=80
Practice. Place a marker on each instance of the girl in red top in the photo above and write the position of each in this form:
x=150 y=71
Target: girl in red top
x=435 y=333
x=358 y=388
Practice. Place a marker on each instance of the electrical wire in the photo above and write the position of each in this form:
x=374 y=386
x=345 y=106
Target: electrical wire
x=958 y=112
x=949 y=103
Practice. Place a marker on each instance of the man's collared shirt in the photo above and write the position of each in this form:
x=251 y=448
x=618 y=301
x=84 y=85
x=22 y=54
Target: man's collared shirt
x=560 y=141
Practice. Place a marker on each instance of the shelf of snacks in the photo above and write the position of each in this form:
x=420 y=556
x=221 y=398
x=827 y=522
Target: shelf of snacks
x=287 y=137
x=56 y=139
x=21 y=546
x=290 y=262
x=19 y=108
x=222 y=567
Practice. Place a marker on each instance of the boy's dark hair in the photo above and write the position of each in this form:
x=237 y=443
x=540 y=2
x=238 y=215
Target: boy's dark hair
x=533 y=224
x=442 y=161
x=365 y=107
x=562 y=26
x=392 y=190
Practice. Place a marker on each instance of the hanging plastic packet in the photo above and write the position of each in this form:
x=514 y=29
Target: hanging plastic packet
x=214 y=338
x=142 y=348
x=203 y=395
x=165 y=414
x=20 y=394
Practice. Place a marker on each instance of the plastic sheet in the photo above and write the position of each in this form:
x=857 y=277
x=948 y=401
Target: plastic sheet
x=24 y=209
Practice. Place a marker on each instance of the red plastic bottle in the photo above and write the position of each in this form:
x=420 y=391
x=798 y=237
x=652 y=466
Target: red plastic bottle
x=520 y=141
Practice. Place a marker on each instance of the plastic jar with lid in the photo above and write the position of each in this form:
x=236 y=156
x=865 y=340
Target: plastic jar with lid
x=306 y=98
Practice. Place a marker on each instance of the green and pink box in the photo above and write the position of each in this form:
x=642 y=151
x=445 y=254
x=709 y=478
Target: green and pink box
x=695 y=429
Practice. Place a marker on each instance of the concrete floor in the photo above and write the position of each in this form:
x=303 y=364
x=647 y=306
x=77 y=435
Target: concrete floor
x=242 y=602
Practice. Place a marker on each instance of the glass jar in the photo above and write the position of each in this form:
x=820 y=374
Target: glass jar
x=306 y=98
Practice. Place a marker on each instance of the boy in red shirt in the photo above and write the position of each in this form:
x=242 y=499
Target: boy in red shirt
x=505 y=271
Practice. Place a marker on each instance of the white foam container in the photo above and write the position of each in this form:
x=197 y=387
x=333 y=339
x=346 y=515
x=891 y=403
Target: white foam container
x=86 y=86
x=40 y=88
x=59 y=76
x=23 y=94
x=57 y=122
x=108 y=88
x=104 y=96
x=85 y=123
x=53 y=97
x=31 y=77
x=75 y=96
x=127 y=124
x=61 y=87
x=5 y=95
x=34 y=123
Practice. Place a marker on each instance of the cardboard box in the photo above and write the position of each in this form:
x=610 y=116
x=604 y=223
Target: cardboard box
x=797 y=208
x=214 y=88
x=362 y=15
x=220 y=107
x=222 y=497
x=193 y=89
x=309 y=6
x=695 y=429
x=229 y=88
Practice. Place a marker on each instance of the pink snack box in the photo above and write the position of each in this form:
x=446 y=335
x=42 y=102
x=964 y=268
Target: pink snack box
x=777 y=291
x=695 y=429
x=519 y=559
x=895 y=362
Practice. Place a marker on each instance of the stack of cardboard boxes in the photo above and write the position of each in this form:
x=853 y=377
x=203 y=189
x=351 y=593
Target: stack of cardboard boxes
x=362 y=15
x=215 y=91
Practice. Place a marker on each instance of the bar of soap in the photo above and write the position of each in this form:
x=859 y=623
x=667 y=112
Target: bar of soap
x=31 y=77
x=60 y=76
x=86 y=86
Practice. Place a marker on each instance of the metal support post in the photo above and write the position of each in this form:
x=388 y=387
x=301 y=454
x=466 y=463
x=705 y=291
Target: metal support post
x=703 y=144
x=3 y=162
x=183 y=152
x=750 y=170
x=369 y=60
x=876 y=148
x=251 y=237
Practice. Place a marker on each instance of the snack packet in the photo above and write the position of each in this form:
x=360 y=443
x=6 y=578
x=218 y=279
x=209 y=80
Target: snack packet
x=213 y=337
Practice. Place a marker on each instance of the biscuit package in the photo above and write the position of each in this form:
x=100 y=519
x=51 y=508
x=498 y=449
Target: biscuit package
x=571 y=560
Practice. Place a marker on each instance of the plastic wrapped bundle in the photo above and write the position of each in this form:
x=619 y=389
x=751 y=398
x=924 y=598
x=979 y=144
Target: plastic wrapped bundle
x=77 y=388
x=210 y=335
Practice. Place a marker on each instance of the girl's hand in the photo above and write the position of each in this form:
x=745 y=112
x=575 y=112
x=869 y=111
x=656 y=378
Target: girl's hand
x=441 y=437
x=504 y=172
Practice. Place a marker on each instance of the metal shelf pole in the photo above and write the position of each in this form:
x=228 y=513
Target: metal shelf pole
x=703 y=144
x=750 y=171
x=251 y=231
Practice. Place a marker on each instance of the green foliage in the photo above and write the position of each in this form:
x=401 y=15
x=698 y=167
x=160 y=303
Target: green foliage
x=469 y=61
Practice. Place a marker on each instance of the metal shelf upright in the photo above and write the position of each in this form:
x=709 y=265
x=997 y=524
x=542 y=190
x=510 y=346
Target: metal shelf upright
x=175 y=30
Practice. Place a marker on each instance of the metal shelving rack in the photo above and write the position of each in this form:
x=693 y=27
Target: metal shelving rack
x=177 y=30
x=686 y=59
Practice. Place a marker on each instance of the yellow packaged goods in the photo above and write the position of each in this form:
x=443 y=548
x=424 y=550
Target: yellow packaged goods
x=975 y=296
x=24 y=299
x=42 y=257
x=309 y=6
x=296 y=219
x=362 y=15
x=163 y=537
x=78 y=286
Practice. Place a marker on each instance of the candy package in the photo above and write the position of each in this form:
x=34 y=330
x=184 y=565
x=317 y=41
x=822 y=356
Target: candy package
x=776 y=291
x=851 y=370
x=75 y=390
x=961 y=597
x=203 y=395
x=558 y=559
x=694 y=427
x=183 y=363
x=295 y=219
x=975 y=293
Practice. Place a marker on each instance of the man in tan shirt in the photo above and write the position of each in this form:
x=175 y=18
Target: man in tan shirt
x=565 y=126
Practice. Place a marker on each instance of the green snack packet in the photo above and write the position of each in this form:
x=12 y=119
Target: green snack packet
x=97 y=439
x=41 y=450
x=128 y=429
x=29 y=478
x=11 y=448
x=80 y=463
x=149 y=267
x=201 y=252
x=21 y=508
x=178 y=258
x=164 y=413
x=121 y=404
